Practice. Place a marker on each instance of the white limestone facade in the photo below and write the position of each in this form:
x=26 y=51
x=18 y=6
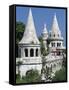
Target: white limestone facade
x=54 y=63
x=29 y=49
x=56 y=46
x=55 y=38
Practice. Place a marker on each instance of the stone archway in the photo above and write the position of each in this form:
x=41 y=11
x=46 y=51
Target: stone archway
x=36 y=52
x=31 y=52
x=26 y=52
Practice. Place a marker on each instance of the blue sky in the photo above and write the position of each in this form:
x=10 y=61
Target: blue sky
x=41 y=16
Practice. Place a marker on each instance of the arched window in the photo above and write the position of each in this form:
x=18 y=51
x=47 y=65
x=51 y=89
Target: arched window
x=31 y=52
x=58 y=44
x=53 y=44
x=26 y=52
x=54 y=35
x=36 y=52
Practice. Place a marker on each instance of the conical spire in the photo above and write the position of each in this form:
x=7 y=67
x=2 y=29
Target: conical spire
x=55 y=26
x=55 y=23
x=45 y=29
x=30 y=21
x=30 y=32
x=45 y=32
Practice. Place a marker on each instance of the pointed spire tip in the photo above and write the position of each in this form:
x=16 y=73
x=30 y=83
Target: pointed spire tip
x=44 y=25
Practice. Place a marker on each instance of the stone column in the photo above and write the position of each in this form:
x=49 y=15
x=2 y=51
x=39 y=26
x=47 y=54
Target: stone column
x=55 y=44
x=61 y=44
x=23 y=52
x=28 y=52
x=38 y=52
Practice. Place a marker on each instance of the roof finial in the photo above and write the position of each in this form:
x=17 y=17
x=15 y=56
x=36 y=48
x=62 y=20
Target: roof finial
x=45 y=28
x=55 y=23
x=30 y=12
x=45 y=25
x=55 y=18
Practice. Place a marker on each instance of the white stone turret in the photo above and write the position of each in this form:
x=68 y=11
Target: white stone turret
x=55 y=57
x=29 y=48
x=30 y=31
x=55 y=26
x=45 y=36
x=30 y=53
x=55 y=30
x=45 y=32
x=56 y=40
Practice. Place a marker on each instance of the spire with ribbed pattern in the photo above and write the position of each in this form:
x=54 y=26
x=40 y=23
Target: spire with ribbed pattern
x=30 y=31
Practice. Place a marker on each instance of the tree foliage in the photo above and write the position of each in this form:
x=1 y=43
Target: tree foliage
x=60 y=75
x=20 y=27
x=31 y=76
x=64 y=63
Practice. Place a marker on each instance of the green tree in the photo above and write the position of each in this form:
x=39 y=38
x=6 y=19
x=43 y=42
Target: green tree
x=60 y=75
x=20 y=27
x=33 y=76
x=64 y=63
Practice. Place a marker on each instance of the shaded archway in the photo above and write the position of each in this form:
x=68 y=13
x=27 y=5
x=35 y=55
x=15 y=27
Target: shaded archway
x=36 y=52
x=26 y=52
x=31 y=52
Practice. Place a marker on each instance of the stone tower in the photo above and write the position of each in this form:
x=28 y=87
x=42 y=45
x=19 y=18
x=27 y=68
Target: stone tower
x=29 y=48
x=45 y=36
x=56 y=40
x=55 y=57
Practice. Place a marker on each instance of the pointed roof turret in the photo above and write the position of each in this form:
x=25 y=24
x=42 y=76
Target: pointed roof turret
x=45 y=32
x=55 y=31
x=45 y=29
x=30 y=31
x=55 y=26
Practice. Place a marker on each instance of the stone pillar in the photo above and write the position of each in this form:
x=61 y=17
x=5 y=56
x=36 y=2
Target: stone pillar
x=55 y=44
x=61 y=44
x=28 y=52
x=38 y=52
x=23 y=52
